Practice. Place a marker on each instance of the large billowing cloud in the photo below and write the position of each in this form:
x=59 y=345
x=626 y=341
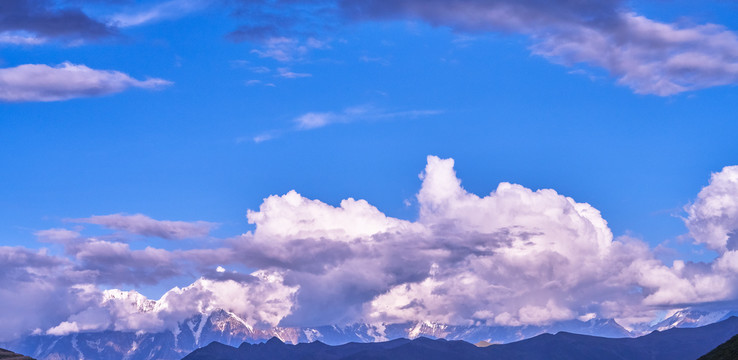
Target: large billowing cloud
x=713 y=220
x=649 y=56
x=513 y=257
x=38 y=82
x=713 y=217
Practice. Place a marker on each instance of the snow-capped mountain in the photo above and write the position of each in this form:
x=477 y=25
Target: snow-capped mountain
x=192 y=333
x=228 y=328
x=690 y=319
x=134 y=299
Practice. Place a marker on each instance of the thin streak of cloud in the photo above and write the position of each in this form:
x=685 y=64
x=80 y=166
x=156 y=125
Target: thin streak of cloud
x=163 y=11
x=263 y=137
x=316 y=120
x=21 y=38
x=288 y=74
x=288 y=49
x=256 y=82
x=260 y=69
x=143 y=225
x=370 y=59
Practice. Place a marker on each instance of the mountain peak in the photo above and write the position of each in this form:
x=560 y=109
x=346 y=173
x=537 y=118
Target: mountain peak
x=274 y=341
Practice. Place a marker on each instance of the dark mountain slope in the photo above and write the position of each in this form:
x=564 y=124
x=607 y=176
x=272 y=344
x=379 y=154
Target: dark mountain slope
x=726 y=351
x=426 y=349
x=674 y=344
x=276 y=349
x=9 y=355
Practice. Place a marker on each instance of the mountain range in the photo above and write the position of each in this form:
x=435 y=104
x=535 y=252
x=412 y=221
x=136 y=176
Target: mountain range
x=230 y=329
x=673 y=344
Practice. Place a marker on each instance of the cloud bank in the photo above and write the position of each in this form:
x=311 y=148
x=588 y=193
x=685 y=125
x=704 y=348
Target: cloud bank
x=648 y=56
x=513 y=257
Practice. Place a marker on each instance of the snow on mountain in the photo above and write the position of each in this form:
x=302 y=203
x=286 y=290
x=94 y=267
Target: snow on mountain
x=429 y=329
x=131 y=298
x=687 y=318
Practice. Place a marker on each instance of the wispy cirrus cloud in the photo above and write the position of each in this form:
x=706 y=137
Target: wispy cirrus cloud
x=289 y=74
x=264 y=137
x=40 y=82
x=265 y=20
x=315 y=120
x=288 y=49
x=21 y=38
x=255 y=82
x=166 y=10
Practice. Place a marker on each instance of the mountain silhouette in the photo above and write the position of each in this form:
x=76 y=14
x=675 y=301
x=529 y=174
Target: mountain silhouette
x=673 y=344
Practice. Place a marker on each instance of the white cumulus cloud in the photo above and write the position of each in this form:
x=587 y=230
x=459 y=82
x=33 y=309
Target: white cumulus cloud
x=516 y=256
x=713 y=217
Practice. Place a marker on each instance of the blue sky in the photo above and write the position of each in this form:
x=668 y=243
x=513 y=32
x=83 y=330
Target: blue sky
x=203 y=122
